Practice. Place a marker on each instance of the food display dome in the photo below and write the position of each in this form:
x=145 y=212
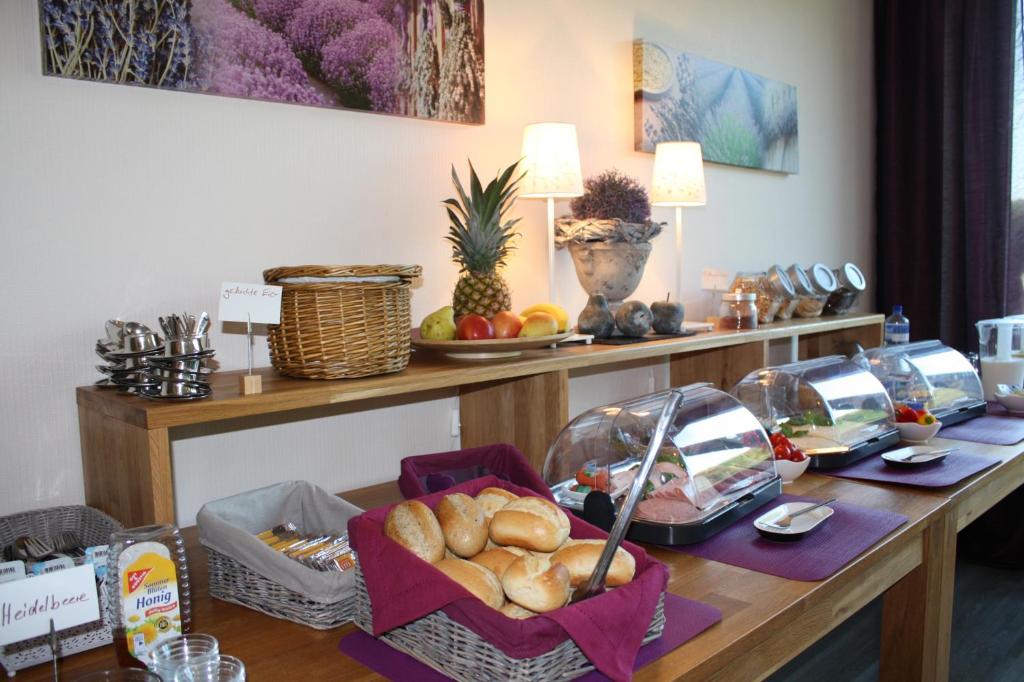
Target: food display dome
x=831 y=408
x=714 y=465
x=928 y=372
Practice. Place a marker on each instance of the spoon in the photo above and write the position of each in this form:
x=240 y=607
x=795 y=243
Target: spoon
x=786 y=520
x=930 y=453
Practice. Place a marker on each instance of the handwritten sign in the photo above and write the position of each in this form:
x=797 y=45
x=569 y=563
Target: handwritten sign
x=68 y=597
x=241 y=302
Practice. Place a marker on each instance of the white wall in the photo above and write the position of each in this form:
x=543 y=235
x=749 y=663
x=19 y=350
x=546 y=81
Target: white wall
x=118 y=201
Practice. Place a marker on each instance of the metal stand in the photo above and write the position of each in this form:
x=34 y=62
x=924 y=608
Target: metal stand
x=250 y=383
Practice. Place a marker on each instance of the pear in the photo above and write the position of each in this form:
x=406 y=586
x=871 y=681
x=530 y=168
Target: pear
x=439 y=325
x=596 y=318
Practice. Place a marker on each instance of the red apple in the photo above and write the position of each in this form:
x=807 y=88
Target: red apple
x=474 y=328
x=506 y=325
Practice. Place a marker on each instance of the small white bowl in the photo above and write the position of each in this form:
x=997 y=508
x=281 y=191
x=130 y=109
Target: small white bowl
x=1012 y=402
x=912 y=432
x=790 y=471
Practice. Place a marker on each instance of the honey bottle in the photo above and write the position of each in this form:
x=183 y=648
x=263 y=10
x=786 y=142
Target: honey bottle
x=148 y=590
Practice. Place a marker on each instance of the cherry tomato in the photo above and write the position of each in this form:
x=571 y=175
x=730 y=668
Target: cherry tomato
x=797 y=456
x=781 y=451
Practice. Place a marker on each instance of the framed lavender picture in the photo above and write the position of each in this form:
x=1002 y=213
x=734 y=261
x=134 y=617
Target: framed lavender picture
x=420 y=58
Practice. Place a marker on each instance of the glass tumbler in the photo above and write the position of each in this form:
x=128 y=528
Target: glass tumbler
x=167 y=658
x=216 y=669
x=120 y=675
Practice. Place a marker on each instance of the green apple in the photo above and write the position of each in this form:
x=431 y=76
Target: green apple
x=439 y=325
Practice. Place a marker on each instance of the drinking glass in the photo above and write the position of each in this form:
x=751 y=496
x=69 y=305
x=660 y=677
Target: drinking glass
x=216 y=669
x=120 y=675
x=171 y=655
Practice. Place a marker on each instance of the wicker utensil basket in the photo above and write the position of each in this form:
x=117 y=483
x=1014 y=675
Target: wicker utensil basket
x=342 y=321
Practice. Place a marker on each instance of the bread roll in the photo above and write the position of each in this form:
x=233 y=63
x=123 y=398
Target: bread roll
x=532 y=523
x=498 y=559
x=462 y=523
x=537 y=584
x=580 y=557
x=513 y=610
x=493 y=499
x=412 y=525
x=481 y=583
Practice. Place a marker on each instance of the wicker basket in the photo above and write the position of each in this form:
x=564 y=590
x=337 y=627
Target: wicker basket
x=459 y=653
x=344 y=327
x=93 y=528
x=233 y=582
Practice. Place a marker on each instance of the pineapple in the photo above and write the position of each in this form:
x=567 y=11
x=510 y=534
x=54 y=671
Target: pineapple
x=480 y=241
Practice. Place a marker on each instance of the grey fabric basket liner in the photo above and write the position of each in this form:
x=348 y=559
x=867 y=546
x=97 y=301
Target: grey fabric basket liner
x=230 y=526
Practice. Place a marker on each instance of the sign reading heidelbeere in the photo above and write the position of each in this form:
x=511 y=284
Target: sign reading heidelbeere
x=68 y=597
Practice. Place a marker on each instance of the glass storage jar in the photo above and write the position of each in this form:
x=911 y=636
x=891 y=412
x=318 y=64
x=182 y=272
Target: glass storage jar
x=823 y=283
x=772 y=289
x=801 y=287
x=851 y=283
x=737 y=312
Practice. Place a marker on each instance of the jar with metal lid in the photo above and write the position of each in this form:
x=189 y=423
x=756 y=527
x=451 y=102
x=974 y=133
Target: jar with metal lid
x=851 y=283
x=737 y=312
x=823 y=283
x=801 y=287
x=772 y=288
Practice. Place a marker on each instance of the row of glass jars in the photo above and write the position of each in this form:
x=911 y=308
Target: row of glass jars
x=781 y=294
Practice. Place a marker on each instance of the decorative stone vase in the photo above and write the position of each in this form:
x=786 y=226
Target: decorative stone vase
x=610 y=268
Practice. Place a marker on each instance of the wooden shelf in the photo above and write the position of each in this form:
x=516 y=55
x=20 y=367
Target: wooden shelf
x=126 y=451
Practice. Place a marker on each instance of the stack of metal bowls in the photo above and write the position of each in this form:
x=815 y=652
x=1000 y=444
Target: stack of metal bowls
x=127 y=350
x=181 y=372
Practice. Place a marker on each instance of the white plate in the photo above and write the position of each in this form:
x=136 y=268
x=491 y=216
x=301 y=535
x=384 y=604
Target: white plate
x=801 y=525
x=921 y=451
x=1013 y=402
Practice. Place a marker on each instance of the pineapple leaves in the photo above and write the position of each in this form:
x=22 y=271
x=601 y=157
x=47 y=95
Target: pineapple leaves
x=480 y=240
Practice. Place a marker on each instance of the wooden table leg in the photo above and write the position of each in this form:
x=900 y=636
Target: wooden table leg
x=917 y=613
x=527 y=412
x=724 y=366
x=127 y=469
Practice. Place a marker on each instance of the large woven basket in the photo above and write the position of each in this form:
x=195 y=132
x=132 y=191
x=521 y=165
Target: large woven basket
x=233 y=582
x=337 y=323
x=93 y=527
x=459 y=653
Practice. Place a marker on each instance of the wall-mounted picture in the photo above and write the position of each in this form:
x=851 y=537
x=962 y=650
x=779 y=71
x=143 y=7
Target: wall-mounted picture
x=421 y=58
x=739 y=118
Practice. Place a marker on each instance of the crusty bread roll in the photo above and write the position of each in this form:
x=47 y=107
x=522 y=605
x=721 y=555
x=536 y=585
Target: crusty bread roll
x=481 y=583
x=493 y=499
x=532 y=523
x=462 y=523
x=580 y=557
x=537 y=584
x=498 y=559
x=514 y=610
x=412 y=525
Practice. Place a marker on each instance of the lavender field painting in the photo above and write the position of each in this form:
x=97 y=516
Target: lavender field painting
x=739 y=118
x=421 y=58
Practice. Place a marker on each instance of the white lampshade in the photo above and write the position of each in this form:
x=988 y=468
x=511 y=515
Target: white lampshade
x=551 y=161
x=678 y=175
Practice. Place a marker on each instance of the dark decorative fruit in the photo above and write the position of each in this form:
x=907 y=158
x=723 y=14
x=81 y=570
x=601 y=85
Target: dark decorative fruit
x=668 y=316
x=633 y=318
x=596 y=318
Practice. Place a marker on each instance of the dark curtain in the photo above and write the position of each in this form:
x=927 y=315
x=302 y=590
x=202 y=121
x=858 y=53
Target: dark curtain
x=944 y=94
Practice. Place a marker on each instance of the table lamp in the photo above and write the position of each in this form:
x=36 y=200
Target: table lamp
x=551 y=162
x=678 y=181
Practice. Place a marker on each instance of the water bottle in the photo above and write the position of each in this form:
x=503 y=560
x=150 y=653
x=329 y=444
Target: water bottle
x=897 y=327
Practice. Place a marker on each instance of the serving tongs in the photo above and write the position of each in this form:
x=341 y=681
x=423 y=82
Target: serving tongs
x=595 y=584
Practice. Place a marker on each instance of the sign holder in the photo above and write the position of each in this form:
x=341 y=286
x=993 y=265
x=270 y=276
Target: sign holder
x=249 y=383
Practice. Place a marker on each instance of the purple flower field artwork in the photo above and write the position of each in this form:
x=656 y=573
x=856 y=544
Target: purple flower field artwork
x=420 y=58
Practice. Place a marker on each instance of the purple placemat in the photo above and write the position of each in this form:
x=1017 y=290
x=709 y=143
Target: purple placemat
x=821 y=553
x=954 y=468
x=998 y=427
x=684 y=620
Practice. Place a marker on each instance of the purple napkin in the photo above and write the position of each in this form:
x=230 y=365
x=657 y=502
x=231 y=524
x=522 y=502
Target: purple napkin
x=684 y=620
x=998 y=427
x=954 y=468
x=422 y=474
x=849 y=531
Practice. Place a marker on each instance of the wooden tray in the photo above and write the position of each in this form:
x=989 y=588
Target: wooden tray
x=488 y=349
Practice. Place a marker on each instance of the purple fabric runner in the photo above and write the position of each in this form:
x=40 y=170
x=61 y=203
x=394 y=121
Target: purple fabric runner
x=821 y=553
x=954 y=468
x=998 y=427
x=684 y=620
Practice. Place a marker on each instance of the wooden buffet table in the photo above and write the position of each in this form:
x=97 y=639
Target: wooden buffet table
x=766 y=620
x=126 y=441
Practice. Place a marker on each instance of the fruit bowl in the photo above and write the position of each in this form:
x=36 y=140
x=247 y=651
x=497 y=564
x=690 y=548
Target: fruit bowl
x=487 y=349
x=790 y=470
x=912 y=432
